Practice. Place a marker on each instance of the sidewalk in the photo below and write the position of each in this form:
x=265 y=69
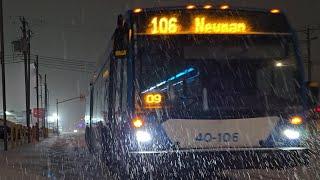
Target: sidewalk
x=24 y=162
x=62 y=157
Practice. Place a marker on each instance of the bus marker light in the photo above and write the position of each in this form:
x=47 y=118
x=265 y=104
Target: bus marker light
x=137 y=10
x=296 y=120
x=224 y=7
x=275 y=11
x=191 y=7
x=137 y=122
x=207 y=6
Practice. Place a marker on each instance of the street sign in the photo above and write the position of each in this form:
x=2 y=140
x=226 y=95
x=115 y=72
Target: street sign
x=38 y=113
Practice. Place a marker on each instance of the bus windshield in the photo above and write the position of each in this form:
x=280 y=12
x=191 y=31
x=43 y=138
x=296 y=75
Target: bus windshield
x=220 y=76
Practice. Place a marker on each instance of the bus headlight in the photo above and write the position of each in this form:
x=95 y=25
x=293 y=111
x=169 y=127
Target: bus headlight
x=143 y=136
x=291 y=133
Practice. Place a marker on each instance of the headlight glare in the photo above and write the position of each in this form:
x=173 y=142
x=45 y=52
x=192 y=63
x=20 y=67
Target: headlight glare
x=291 y=133
x=143 y=136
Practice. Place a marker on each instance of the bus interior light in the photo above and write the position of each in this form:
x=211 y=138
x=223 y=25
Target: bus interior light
x=137 y=122
x=296 y=120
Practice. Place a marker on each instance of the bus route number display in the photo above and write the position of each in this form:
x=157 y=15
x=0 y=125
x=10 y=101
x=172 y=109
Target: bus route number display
x=198 y=25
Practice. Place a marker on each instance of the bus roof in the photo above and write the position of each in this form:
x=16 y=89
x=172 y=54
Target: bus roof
x=201 y=6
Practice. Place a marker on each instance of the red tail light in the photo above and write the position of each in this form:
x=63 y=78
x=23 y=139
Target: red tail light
x=318 y=109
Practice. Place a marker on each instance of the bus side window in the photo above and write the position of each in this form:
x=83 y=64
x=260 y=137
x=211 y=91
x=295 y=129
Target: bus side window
x=115 y=88
x=124 y=88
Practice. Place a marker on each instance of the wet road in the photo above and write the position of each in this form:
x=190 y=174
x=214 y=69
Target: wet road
x=66 y=157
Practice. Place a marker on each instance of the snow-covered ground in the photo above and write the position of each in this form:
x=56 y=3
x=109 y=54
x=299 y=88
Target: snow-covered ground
x=63 y=157
x=66 y=157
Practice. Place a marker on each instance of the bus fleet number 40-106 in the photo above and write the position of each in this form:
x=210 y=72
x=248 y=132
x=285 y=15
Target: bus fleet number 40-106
x=219 y=137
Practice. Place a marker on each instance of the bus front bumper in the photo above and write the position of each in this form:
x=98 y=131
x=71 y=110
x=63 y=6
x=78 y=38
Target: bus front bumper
x=214 y=159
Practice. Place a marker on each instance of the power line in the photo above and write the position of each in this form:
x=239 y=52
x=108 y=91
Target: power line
x=82 y=66
x=67 y=64
x=65 y=69
x=61 y=66
x=67 y=59
x=76 y=66
x=14 y=62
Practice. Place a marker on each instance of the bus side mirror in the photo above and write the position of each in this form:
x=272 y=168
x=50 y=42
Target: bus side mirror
x=121 y=39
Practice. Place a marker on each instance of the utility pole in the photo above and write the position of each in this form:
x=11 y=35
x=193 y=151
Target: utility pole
x=309 y=53
x=48 y=108
x=45 y=104
x=308 y=32
x=4 y=103
x=57 y=118
x=25 y=50
x=41 y=106
x=37 y=92
x=29 y=77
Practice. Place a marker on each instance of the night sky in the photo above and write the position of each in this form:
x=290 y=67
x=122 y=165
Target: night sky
x=80 y=30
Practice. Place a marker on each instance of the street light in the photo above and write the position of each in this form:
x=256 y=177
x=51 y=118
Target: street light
x=53 y=118
x=81 y=97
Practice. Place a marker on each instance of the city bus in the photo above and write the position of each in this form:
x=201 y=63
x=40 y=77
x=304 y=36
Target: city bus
x=197 y=86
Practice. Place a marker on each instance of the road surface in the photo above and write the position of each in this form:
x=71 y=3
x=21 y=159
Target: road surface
x=66 y=157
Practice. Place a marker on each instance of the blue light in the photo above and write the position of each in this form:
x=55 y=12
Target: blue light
x=180 y=74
